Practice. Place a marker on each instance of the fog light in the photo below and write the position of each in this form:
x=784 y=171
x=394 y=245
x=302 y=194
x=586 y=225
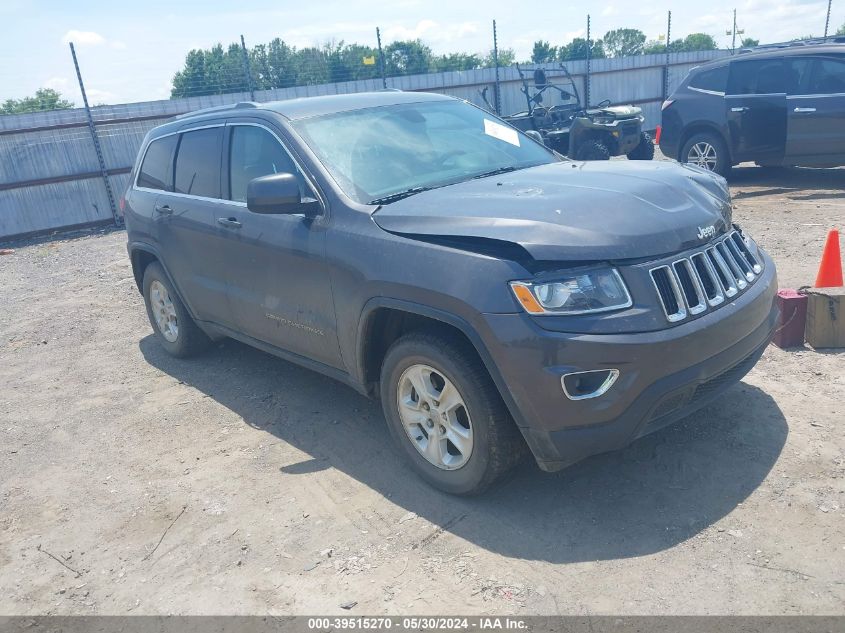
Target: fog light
x=582 y=385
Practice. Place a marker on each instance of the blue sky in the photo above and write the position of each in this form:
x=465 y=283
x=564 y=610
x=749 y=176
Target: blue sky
x=129 y=50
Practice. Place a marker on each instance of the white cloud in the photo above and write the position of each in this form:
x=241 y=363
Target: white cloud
x=60 y=84
x=83 y=38
x=609 y=10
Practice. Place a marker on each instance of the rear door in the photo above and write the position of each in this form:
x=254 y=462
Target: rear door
x=186 y=217
x=280 y=289
x=816 y=110
x=756 y=110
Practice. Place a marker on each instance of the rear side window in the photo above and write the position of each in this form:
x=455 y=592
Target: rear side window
x=757 y=77
x=828 y=77
x=254 y=152
x=155 y=171
x=714 y=80
x=198 y=163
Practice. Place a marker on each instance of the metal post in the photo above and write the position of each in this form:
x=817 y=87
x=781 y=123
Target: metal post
x=103 y=171
x=668 y=59
x=497 y=89
x=247 y=72
x=589 y=56
x=827 y=19
x=381 y=60
x=733 y=36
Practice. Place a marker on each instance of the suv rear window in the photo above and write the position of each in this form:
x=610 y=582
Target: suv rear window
x=155 y=171
x=757 y=77
x=198 y=163
x=714 y=80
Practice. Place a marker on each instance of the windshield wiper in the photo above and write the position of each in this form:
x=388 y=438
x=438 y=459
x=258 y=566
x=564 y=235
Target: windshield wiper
x=496 y=172
x=399 y=195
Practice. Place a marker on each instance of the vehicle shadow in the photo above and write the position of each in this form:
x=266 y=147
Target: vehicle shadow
x=788 y=180
x=660 y=491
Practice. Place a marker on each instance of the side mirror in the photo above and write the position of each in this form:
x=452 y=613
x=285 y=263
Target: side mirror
x=276 y=193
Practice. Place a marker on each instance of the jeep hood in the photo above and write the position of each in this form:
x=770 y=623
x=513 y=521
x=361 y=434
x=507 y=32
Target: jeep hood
x=573 y=211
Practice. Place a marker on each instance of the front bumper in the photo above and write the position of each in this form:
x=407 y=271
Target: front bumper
x=664 y=375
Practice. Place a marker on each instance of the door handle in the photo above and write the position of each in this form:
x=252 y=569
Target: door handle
x=164 y=209
x=804 y=110
x=740 y=109
x=230 y=223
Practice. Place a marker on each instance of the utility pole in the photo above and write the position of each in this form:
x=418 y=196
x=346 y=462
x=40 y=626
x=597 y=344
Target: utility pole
x=827 y=19
x=247 y=72
x=496 y=64
x=668 y=60
x=733 y=33
x=95 y=139
x=381 y=60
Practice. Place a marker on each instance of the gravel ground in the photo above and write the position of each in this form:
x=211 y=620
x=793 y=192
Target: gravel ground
x=131 y=482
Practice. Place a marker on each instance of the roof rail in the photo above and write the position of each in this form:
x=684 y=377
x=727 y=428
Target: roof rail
x=220 y=108
x=810 y=41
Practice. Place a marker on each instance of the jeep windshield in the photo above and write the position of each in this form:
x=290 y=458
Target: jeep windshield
x=383 y=154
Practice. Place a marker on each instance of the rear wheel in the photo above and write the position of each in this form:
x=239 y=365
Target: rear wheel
x=707 y=151
x=177 y=332
x=445 y=413
x=645 y=149
x=592 y=150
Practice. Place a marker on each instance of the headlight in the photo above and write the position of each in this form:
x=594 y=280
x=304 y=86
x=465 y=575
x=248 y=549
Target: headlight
x=580 y=292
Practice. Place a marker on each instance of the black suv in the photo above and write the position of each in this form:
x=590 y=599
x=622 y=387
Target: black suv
x=777 y=107
x=494 y=295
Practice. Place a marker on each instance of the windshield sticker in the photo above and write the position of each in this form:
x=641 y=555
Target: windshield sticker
x=501 y=132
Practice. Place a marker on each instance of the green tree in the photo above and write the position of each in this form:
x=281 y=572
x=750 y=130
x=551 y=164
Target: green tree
x=410 y=57
x=694 y=42
x=456 y=61
x=43 y=99
x=578 y=49
x=653 y=47
x=624 y=42
x=507 y=57
x=543 y=52
x=841 y=30
x=749 y=42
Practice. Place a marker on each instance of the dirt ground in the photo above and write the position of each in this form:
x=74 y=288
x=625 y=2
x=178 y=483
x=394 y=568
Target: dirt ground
x=237 y=483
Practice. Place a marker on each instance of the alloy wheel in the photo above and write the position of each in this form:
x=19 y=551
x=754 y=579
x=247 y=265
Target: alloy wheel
x=435 y=417
x=704 y=155
x=164 y=311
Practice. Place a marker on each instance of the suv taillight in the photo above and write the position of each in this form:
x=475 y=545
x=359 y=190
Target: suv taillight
x=667 y=103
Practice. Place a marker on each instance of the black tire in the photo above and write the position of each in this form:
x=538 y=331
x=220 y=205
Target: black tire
x=644 y=150
x=592 y=150
x=190 y=339
x=497 y=443
x=723 y=161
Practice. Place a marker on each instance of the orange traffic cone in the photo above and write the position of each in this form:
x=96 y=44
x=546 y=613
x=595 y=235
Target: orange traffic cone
x=830 y=269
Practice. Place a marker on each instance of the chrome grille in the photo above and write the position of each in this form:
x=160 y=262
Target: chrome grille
x=688 y=286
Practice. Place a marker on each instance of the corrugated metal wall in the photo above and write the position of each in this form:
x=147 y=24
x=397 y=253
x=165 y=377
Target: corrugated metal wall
x=49 y=175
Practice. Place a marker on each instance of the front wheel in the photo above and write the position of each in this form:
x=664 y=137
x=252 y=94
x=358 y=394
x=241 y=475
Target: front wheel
x=445 y=413
x=644 y=150
x=707 y=151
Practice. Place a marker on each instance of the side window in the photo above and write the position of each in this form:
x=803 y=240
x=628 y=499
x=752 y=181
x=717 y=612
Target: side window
x=254 y=152
x=798 y=75
x=155 y=171
x=828 y=77
x=757 y=77
x=198 y=163
x=714 y=80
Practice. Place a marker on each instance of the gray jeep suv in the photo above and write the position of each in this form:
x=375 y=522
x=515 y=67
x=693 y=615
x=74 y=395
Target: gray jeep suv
x=494 y=295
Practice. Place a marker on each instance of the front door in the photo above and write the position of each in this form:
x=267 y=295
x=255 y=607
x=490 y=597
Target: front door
x=280 y=289
x=756 y=110
x=816 y=110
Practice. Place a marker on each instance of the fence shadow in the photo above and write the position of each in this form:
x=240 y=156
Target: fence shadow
x=658 y=492
x=805 y=183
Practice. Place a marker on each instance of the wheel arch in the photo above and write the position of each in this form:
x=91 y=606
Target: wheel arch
x=141 y=255
x=702 y=127
x=384 y=320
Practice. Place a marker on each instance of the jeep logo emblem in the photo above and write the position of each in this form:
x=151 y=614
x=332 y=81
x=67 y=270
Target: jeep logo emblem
x=707 y=231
